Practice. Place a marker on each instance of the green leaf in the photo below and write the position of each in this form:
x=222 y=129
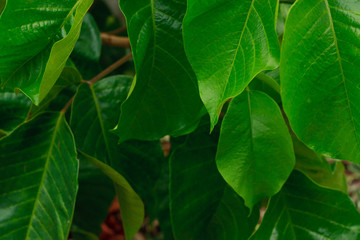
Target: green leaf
x=13 y=110
x=255 y=153
x=166 y=90
x=228 y=42
x=38 y=180
x=95 y=195
x=88 y=46
x=320 y=63
x=139 y=162
x=132 y=208
x=87 y=50
x=69 y=76
x=316 y=167
x=202 y=205
x=35 y=47
x=303 y=210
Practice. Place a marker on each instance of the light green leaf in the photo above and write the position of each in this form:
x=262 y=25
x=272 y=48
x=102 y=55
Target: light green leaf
x=303 y=210
x=38 y=180
x=320 y=76
x=35 y=47
x=13 y=110
x=202 y=205
x=165 y=99
x=318 y=168
x=228 y=42
x=255 y=153
x=132 y=208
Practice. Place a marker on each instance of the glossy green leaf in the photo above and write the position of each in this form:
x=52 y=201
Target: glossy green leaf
x=320 y=77
x=228 y=42
x=132 y=207
x=35 y=47
x=138 y=162
x=95 y=195
x=202 y=205
x=318 y=168
x=255 y=153
x=38 y=180
x=303 y=210
x=13 y=109
x=69 y=76
x=165 y=99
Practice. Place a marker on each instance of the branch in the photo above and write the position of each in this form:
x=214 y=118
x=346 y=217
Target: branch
x=117 y=31
x=116 y=41
x=109 y=69
x=101 y=75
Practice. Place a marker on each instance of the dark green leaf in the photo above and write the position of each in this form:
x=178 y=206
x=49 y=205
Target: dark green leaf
x=303 y=210
x=255 y=153
x=228 y=43
x=95 y=111
x=88 y=46
x=96 y=192
x=320 y=75
x=165 y=99
x=202 y=205
x=35 y=47
x=87 y=50
x=38 y=180
x=132 y=208
x=13 y=109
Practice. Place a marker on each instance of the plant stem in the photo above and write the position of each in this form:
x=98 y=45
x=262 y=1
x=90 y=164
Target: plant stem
x=104 y=73
x=269 y=81
x=117 y=31
x=109 y=69
x=65 y=108
x=116 y=41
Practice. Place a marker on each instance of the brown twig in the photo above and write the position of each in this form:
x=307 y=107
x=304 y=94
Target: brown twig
x=117 y=31
x=101 y=75
x=116 y=41
x=109 y=69
x=65 y=108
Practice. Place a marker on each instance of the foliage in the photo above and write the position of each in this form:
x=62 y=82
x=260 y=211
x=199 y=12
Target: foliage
x=256 y=97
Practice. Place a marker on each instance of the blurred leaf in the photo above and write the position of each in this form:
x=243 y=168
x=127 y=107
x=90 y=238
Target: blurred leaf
x=88 y=46
x=38 y=180
x=87 y=50
x=318 y=168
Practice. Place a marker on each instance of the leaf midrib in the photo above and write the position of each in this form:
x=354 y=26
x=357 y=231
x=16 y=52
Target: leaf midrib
x=44 y=172
x=101 y=122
